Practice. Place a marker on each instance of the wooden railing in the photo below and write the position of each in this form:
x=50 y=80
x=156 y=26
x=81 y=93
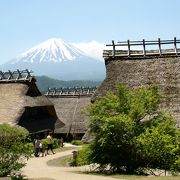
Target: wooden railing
x=139 y=48
x=70 y=91
x=18 y=75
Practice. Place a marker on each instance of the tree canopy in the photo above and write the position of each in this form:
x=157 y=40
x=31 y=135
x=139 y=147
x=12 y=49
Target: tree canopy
x=130 y=133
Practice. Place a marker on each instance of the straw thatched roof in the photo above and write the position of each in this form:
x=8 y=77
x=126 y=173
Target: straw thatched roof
x=22 y=104
x=69 y=109
x=163 y=70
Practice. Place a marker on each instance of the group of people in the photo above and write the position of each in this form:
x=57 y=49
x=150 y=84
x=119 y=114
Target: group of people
x=39 y=149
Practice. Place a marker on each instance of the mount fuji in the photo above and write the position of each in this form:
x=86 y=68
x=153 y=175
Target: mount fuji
x=61 y=60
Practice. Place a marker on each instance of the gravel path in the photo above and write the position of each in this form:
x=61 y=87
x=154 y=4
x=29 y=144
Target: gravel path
x=38 y=169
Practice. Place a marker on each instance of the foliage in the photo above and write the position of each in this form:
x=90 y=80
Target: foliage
x=12 y=149
x=77 y=142
x=73 y=162
x=55 y=143
x=130 y=133
x=83 y=154
x=18 y=176
x=44 y=82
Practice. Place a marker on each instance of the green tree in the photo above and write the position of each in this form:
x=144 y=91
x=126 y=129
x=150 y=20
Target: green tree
x=13 y=149
x=130 y=133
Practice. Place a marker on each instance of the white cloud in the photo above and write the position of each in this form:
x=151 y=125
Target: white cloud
x=93 y=49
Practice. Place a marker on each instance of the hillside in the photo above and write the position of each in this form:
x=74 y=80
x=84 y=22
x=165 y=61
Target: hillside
x=44 y=82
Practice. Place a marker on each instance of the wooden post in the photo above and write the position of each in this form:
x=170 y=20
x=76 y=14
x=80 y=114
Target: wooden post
x=159 y=43
x=114 y=49
x=54 y=92
x=2 y=75
x=175 y=46
x=88 y=91
x=144 y=47
x=128 y=43
x=28 y=74
x=19 y=74
x=10 y=75
x=48 y=92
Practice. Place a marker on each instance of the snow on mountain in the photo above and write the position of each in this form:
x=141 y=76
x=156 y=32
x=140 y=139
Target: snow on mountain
x=55 y=50
x=59 y=59
x=94 y=49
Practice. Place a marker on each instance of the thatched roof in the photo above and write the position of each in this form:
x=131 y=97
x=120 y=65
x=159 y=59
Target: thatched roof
x=22 y=104
x=69 y=110
x=139 y=70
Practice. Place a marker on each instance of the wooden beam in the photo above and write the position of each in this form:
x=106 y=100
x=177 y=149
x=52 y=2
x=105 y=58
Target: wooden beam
x=19 y=74
x=159 y=44
x=2 y=75
x=129 y=50
x=175 y=46
x=10 y=75
x=114 y=49
x=144 y=48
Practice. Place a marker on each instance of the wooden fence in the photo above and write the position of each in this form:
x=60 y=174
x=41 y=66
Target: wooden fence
x=140 y=48
x=15 y=76
x=70 y=92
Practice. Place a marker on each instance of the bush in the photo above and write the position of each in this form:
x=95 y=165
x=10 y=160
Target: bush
x=77 y=142
x=18 y=176
x=73 y=162
x=83 y=154
x=29 y=147
x=12 y=148
x=55 y=143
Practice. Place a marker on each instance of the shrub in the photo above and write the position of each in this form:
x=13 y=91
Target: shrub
x=12 y=148
x=77 y=142
x=83 y=154
x=55 y=143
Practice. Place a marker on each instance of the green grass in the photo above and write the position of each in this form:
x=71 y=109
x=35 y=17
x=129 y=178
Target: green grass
x=60 y=162
x=132 y=177
x=64 y=162
x=65 y=149
x=77 y=142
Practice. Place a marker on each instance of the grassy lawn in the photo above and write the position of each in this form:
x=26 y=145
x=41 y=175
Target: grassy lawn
x=65 y=149
x=60 y=162
x=64 y=162
x=131 y=177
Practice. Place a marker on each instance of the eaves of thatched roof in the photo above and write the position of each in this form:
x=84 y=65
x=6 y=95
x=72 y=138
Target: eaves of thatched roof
x=70 y=111
x=21 y=103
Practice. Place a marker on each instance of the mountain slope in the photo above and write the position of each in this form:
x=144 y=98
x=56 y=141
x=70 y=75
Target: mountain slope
x=55 y=50
x=44 y=82
x=60 y=60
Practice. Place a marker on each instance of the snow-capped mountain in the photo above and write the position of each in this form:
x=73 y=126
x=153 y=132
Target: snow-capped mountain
x=59 y=59
x=55 y=50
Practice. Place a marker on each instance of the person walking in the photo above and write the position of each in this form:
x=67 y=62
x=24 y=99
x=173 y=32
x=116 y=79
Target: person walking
x=41 y=149
x=36 y=146
x=50 y=143
x=61 y=142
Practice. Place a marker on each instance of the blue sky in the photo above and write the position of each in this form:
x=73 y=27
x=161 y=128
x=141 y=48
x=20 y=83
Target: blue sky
x=25 y=23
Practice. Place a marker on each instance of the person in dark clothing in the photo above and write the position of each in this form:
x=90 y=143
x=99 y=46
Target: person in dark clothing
x=36 y=146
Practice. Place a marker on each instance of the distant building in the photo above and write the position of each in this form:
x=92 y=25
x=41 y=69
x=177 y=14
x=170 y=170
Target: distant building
x=69 y=104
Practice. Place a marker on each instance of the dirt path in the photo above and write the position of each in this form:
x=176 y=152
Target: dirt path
x=38 y=168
